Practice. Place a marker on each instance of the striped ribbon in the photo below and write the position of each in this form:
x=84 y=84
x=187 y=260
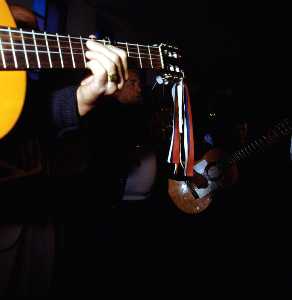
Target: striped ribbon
x=181 y=151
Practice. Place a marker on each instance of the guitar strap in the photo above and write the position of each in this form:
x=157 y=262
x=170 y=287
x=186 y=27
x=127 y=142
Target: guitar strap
x=181 y=151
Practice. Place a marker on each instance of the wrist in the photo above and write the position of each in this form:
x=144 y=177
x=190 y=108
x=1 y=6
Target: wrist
x=83 y=107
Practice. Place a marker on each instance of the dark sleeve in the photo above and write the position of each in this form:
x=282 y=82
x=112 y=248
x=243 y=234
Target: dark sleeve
x=68 y=150
x=64 y=111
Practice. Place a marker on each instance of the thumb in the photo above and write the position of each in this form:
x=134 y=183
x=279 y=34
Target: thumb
x=87 y=80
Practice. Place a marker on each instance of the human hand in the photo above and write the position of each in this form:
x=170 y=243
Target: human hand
x=109 y=68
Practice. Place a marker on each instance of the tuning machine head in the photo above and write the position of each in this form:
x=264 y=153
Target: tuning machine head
x=172 y=61
x=165 y=79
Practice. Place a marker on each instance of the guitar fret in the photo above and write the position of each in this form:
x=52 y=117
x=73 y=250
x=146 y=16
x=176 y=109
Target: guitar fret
x=18 y=50
x=78 y=53
x=248 y=150
x=139 y=56
x=24 y=48
x=257 y=144
x=58 y=41
x=239 y=154
x=2 y=54
x=154 y=60
x=68 y=59
x=260 y=143
x=252 y=145
x=73 y=60
x=133 y=52
x=36 y=49
x=127 y=49
x=150 y=56
x=12 y=48
x=83 y=53
x=44 y=53
x=242 y=153
x=161 y=60
x=54 y=51
x=49 y=54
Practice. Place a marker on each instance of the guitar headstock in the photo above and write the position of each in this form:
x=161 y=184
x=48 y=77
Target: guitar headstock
x=172 y=64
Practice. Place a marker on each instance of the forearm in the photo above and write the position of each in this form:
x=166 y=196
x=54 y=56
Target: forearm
x=64 y=111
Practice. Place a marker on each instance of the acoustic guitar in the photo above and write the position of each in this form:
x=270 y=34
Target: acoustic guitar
x=217 y=171
x=22 y=50
x=12 y=83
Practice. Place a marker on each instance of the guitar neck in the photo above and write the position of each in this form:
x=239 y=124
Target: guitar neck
x=25 y=49
x=282 y=129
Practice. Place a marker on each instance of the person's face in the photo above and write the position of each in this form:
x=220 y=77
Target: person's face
x=131 y=92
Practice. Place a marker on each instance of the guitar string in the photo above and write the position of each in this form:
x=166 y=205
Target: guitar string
x=130 y=53
x=141 y=54
x=260 y=143
x=153 y=56
x=67 y=60
x=66 y=47
x=57 y=52
x=6 y=31
x=22 y=61
x=155 y=62
x=67 y=63
x=124 y=45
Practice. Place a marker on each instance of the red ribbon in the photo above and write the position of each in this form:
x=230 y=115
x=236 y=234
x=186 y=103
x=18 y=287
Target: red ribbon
x=183 y=140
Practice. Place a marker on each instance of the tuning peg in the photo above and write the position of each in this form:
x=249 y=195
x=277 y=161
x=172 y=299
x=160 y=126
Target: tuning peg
x=159 y=79
x=164 y=79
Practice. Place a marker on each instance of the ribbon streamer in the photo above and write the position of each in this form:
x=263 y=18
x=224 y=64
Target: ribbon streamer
x=181 y=151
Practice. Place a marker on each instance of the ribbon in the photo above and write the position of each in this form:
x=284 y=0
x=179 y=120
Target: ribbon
x=181 y=151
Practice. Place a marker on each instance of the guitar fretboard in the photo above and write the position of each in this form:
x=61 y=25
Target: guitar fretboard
x=282 y=129
x=25 y=49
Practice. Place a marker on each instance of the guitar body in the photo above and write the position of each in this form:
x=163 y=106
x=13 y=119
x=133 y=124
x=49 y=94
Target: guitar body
x=217 y=170
x=195 y=194
x=12 y=84
x=182 y=196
